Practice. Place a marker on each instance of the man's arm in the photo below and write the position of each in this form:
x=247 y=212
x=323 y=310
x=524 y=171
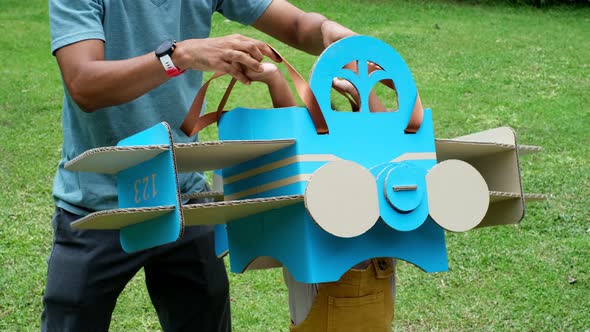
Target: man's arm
x=94 y=82
x=309 y=32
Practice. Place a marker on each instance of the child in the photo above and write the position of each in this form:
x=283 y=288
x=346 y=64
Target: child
x=362 y=300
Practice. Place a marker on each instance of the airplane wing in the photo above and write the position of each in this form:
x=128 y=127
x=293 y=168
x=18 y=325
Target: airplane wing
x=146 y=165
x=226 y=211
x=113 y=159
x=197 y=156
x=119 y=218
x=194 y=214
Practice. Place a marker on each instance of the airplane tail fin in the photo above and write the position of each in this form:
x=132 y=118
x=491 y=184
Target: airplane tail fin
x=150 y=211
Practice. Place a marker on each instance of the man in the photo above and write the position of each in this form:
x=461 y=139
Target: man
x=122 y=73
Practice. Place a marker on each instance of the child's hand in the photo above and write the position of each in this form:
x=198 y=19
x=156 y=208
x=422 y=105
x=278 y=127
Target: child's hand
x=270 y=72
x=375 y=105
x=346 y=86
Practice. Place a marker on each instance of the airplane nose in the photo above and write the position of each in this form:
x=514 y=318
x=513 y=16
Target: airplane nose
x=403 y=186
x=341 y=197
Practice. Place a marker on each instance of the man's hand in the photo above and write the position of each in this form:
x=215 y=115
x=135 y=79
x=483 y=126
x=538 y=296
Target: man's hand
x=234 y=54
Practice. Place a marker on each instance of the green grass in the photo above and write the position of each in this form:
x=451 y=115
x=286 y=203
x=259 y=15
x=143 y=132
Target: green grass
x=477 y=67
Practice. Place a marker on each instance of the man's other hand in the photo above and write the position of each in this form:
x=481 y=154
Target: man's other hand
x=233 y=54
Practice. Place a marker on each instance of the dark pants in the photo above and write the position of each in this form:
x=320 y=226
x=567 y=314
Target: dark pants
x=87 y=270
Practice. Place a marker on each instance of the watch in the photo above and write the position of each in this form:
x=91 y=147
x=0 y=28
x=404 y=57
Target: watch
x=163 y=53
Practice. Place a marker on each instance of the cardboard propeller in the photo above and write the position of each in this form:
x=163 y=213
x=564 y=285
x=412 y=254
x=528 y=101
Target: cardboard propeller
x=319 y=203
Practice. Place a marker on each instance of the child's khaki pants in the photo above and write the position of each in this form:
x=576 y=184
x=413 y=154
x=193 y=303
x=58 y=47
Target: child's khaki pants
x=362 y=300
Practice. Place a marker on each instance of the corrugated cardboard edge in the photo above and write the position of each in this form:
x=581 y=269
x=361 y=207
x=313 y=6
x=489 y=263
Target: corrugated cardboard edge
x=496 y=196
x=113 y=159
x=226 y=211
x=121 y=217
x=178 y=197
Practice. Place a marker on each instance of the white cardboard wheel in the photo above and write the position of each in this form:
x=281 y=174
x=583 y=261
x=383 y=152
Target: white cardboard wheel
x=341 y=197
x=458 y=196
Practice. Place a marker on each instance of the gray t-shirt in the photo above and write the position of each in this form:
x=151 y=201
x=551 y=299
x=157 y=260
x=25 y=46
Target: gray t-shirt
x=130 y=28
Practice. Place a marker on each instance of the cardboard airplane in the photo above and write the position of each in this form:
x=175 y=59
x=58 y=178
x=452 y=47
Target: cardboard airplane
x=318 y=190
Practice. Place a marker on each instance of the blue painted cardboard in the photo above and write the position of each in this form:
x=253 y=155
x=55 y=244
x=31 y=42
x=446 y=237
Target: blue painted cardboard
x=149 y=184
x=372 y=140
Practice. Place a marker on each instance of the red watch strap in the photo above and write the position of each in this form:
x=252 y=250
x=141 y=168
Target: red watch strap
x=169 y=66
x=174 y=72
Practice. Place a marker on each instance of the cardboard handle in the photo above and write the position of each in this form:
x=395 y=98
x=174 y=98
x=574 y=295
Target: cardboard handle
x=365 y=61
x=417 y=113
x=195 y=122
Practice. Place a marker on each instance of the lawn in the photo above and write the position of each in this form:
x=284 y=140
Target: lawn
x=478 y=67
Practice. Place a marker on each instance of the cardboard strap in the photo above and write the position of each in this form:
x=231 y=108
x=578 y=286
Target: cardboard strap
x=194 y=121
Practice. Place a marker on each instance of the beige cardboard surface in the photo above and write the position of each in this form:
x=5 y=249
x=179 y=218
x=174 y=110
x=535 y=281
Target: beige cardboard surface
x=454 y=149
x=226 y=211
x=502 y=173
x=480 y=144
x=458 y=196
x=500 y=170
x=268 y=186
x=500 y=135
x=118 y=218
x=262 y=263
x=504 y=212
x=112 y=159
x=217 y=183
x=281 y=163
x=204 y=156
x=341 y=197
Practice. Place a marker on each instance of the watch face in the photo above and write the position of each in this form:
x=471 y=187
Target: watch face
x=165 y=48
